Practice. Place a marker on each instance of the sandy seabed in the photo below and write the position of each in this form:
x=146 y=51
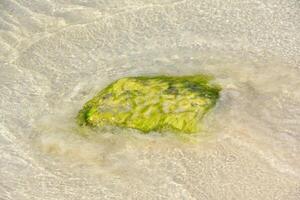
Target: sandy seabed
x=55 y=55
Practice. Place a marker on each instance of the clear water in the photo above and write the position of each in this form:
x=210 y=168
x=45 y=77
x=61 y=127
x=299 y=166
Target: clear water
x=55 y=55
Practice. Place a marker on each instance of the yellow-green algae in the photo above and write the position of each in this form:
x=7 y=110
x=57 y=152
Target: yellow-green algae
x=160 y=103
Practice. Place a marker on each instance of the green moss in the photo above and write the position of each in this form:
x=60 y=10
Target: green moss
x=160 y=103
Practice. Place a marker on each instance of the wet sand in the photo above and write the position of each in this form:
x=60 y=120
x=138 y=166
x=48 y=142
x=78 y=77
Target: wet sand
x=54 y=56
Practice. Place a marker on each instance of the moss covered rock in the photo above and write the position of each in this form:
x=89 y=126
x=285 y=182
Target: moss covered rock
x=161 y=103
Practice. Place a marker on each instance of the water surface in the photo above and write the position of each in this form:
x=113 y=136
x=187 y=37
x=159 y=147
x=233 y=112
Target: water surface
x=55 y=55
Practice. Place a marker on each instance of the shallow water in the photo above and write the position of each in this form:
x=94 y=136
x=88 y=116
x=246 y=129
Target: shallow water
x=55 y=55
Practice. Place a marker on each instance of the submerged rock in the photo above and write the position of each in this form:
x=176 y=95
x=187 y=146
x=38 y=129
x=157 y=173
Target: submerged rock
x=161 y=103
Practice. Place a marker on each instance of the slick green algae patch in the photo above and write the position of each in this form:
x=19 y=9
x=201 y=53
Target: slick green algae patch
x=158 y=103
